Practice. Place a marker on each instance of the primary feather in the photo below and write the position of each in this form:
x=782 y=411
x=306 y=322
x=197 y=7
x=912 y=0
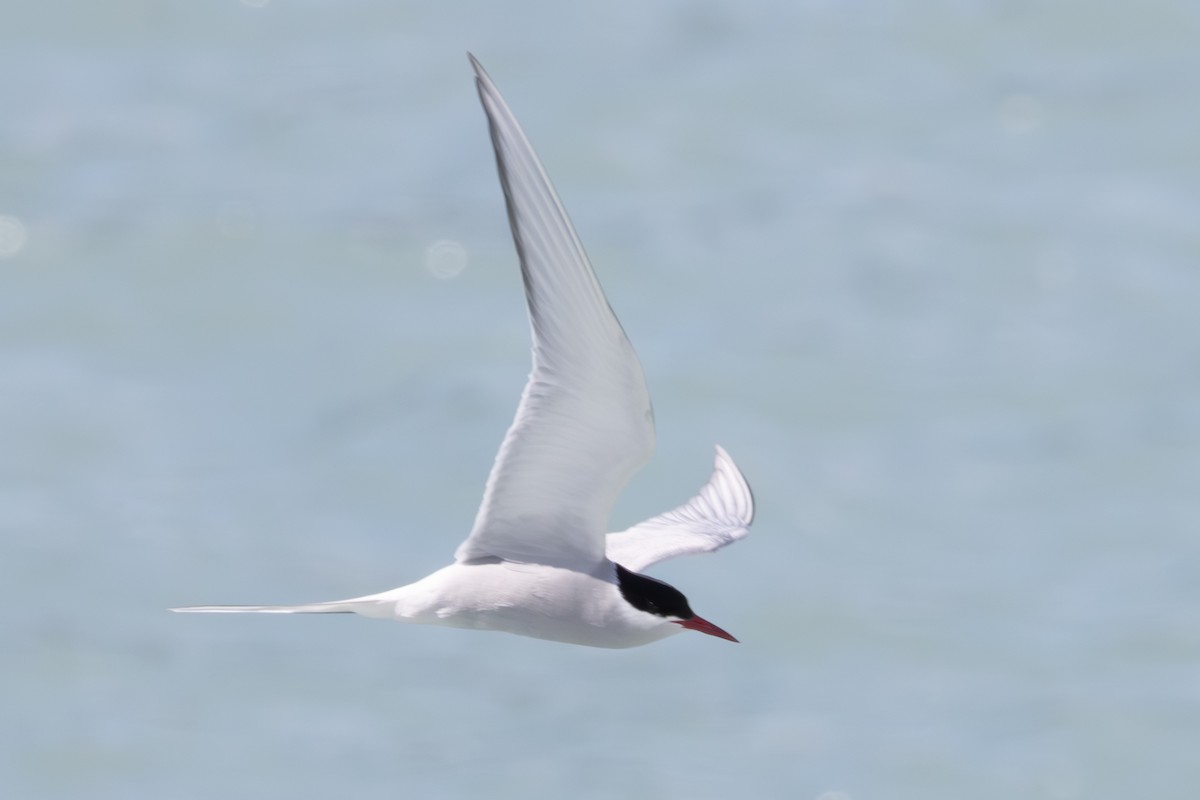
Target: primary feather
x=719 y=515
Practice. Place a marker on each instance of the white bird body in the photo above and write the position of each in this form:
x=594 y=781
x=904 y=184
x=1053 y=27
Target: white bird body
x=536 y=600
x=537 y=561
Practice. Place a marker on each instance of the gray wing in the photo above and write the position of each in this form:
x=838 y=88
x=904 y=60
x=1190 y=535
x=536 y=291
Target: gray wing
x=720 y=515
x=584 y=424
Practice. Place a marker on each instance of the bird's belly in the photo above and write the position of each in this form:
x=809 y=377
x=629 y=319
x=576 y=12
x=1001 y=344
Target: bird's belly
x=557 y=628
x=537 y=601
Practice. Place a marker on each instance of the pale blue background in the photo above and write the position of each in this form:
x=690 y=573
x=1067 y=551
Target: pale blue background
x=928 y=270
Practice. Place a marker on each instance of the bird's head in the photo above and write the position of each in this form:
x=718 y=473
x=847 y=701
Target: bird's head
x=663 y=600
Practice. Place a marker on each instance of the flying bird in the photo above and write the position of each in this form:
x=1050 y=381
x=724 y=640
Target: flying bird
x=538 y=561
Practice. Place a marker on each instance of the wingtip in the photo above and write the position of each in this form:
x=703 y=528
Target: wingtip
x=480 y=72
x=723 y=459
x=724 y=463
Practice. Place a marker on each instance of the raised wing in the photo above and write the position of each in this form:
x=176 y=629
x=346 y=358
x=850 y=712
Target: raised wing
x=584 y=424
x=719 y=515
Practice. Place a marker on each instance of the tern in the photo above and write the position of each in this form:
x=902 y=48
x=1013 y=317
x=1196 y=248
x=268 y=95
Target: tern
x=538 y=561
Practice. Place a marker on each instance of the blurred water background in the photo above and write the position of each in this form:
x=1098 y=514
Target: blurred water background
x=928 y=271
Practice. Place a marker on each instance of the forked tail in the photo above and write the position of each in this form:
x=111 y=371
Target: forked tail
x=337 y=607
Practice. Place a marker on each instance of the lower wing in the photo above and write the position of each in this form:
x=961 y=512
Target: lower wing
x=720 y=515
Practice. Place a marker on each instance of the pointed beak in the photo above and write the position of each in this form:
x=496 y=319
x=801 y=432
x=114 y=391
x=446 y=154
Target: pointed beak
x=704 y=626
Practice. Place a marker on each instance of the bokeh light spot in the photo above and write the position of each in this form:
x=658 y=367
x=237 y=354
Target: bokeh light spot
x=445 y=259
x=12 y=236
